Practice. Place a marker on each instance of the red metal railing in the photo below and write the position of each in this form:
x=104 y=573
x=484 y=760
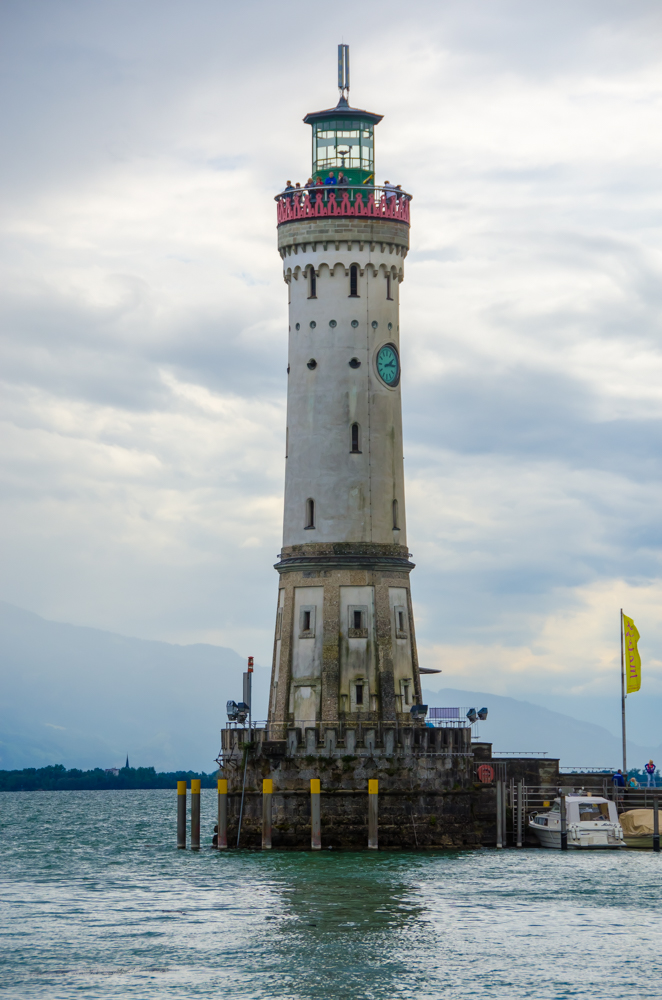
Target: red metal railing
x=374 y=203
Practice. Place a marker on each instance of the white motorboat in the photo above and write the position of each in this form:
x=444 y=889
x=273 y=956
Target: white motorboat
x=591 y=821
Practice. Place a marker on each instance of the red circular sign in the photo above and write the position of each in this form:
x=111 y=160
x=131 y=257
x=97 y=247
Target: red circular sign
x=485 y=773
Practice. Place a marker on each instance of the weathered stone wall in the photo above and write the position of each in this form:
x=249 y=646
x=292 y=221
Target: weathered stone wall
x=329 y=230
x=424 y=802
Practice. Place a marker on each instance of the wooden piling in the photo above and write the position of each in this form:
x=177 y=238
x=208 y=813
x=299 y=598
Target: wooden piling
x=656 y=825
x=373 y=814
x=267 y=789
x=195 y=814
x=564 y=825
x=520 y=811
x=222 y=813
x=315 y=815
x=499 y=814
x=181 y=815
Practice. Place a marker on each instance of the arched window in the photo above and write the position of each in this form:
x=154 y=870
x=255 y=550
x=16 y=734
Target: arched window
x=354 y=281
x=310 y=513
x=356 y=442
x=396 y=526
x=312 y=283
x=388 y=287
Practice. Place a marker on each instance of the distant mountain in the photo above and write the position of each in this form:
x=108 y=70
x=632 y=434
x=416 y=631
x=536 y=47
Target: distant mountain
x=85 y=698
x=521 y=726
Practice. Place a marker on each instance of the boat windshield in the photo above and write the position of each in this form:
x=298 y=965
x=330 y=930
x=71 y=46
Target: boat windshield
x=593 y=811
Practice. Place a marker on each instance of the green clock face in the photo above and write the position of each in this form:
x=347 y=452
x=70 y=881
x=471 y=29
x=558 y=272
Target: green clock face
x=388 y=364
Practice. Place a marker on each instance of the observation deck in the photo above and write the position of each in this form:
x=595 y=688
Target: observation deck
x=345 y=201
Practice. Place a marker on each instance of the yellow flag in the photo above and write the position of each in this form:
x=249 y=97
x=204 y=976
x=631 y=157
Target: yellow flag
x=632 y=658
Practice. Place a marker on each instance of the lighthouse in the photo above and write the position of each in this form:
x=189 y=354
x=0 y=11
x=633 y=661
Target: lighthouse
x=346 y=758
x=344 y=661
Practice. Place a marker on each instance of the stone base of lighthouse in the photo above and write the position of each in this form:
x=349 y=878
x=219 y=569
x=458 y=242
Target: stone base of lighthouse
x=428 y=795
x=344 y=660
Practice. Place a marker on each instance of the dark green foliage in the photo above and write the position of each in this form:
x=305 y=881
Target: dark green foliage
x=56 y=778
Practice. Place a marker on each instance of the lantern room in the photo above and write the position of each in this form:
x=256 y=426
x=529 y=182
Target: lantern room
x=344 y=140
x=344 y=137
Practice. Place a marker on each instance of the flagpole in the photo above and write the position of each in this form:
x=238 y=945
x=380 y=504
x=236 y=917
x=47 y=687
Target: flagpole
x=625 y=764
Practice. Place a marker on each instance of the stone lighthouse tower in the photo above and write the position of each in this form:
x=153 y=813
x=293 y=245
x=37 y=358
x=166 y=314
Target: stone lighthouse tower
x=345 y=725
x=344 y=662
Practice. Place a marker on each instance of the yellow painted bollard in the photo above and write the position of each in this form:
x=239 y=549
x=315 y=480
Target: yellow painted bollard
x=267 y=789
x=315 y=815
x=373 y=814
x=181 y=814
x=222 y=841
x=195 y=814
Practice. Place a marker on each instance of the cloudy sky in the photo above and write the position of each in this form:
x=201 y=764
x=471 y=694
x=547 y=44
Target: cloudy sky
x=143 y=317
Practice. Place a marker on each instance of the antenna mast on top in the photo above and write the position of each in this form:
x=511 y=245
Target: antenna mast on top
x=343 y=70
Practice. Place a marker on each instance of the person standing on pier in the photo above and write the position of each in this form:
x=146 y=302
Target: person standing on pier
x=650 y=772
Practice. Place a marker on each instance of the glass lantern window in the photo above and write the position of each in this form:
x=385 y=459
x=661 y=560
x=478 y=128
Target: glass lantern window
x=343 y=145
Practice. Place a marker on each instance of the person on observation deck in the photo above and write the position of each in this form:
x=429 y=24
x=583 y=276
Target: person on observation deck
x=342 y=180
x=331 y=179
x=308 y=186
x=391 y=192
x=650 y=772
x=289 y=187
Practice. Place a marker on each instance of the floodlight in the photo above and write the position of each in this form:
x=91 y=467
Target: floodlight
x=418 y=711
x=472 y=716
x=232 y=709
x=482 y=714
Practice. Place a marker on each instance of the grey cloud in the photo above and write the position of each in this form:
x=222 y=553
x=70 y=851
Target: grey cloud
x=142 y=146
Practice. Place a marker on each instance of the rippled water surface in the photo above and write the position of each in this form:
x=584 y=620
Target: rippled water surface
x=97 y=902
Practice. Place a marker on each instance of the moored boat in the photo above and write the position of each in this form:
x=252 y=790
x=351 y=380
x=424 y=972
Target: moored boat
x=637 y=827
x=591 y=822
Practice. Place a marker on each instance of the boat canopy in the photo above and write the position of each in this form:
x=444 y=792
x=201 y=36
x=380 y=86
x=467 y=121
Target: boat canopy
x=637 y=822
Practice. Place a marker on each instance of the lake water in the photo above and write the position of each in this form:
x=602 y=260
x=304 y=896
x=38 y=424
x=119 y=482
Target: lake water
x=98 y=902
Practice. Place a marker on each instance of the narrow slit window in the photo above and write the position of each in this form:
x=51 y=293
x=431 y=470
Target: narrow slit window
x=312 y=283
x=354 y=281
x=310 y=513
x=388 y=287
x=396 y=526
x=355 y=439
x=401 y=621
x=405 y=688
x=306 y=621
x=359 y=693
x=358 y=619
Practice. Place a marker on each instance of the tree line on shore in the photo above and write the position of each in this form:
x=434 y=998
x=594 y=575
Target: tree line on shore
x=56 y=778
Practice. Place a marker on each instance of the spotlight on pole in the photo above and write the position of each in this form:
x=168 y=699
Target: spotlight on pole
x=472 y=715
x=482 y=714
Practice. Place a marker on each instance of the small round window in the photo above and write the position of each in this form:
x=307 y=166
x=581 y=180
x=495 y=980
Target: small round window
x=298 y=326
x=333 y=324
x=312 y=364
x=313 y=324
x=374 y=324
x=355 y=323
x=390 y=326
